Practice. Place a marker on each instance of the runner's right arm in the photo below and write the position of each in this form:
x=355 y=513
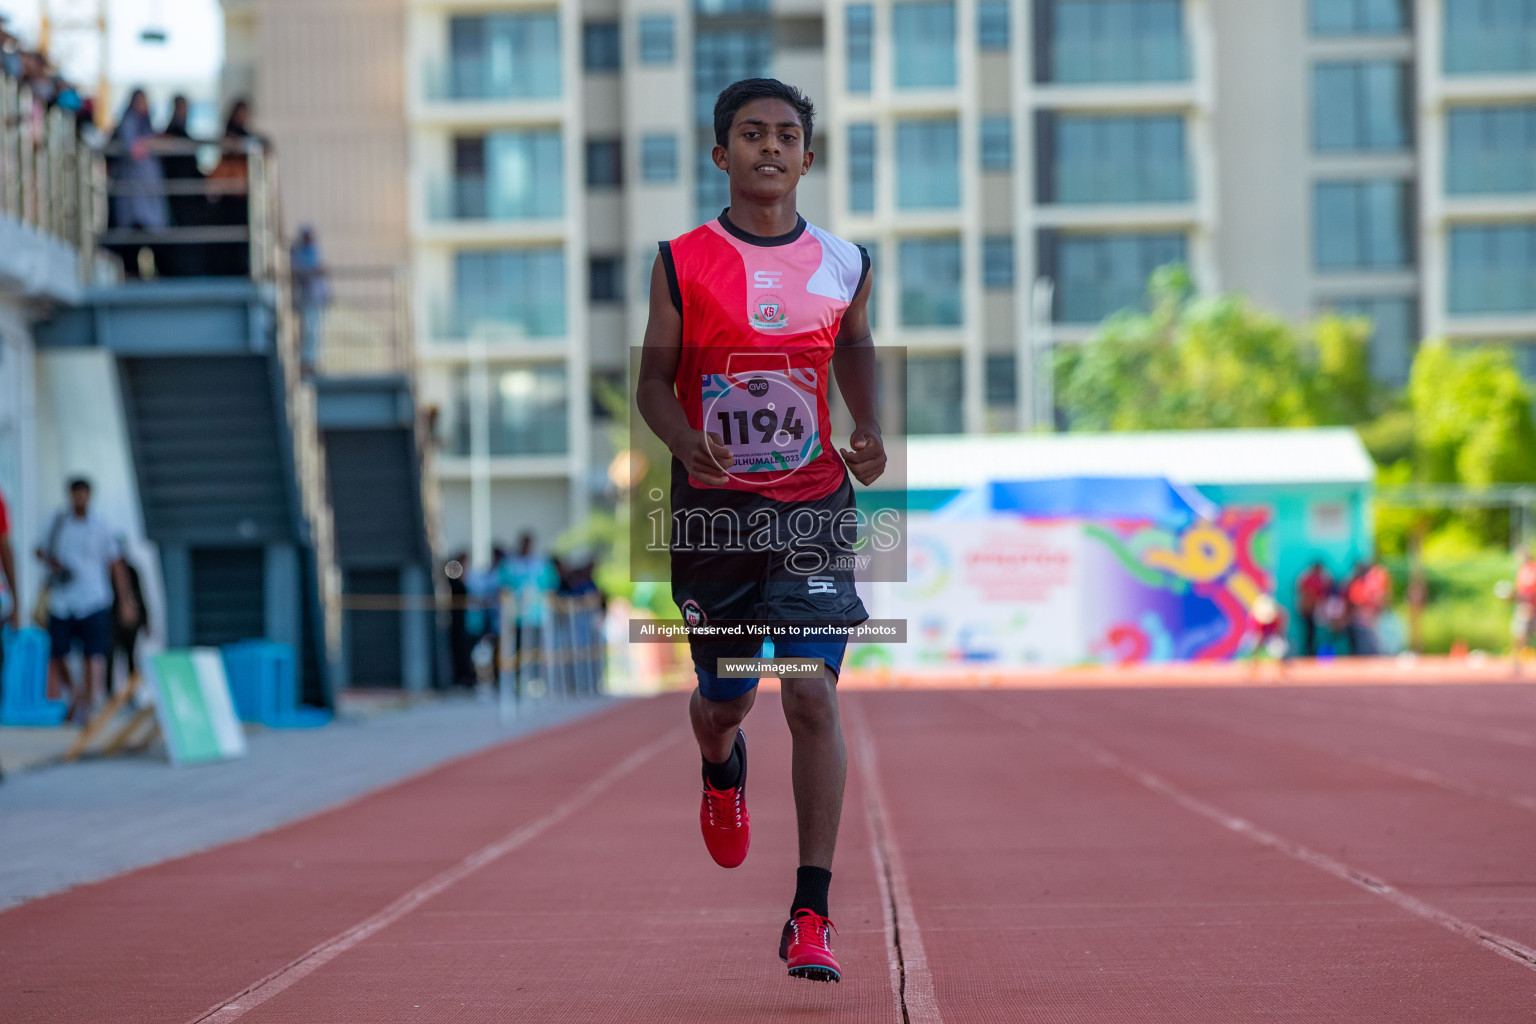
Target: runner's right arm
x=704 y=455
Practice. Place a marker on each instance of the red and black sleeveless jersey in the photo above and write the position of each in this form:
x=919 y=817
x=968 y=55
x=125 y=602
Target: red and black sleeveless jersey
x=760 y=321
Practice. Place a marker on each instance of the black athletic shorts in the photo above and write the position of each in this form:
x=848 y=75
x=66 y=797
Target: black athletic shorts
x=740 y=557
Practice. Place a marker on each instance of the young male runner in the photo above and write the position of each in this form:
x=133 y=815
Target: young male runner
x=748 y=314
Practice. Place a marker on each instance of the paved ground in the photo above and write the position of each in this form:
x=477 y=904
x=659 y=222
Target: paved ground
x=1224 y=854
x=66 y=824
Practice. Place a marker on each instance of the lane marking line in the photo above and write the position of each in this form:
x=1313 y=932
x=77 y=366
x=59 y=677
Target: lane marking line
x=1504 y=946
x=283 y=978
x=911 y=980
x=1361 y=758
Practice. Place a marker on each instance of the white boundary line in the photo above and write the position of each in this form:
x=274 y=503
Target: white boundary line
x=911 y=981
x=280 y=980
x=1504 y=946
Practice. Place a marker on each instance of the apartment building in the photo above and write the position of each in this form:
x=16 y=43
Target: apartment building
x=1017 y=168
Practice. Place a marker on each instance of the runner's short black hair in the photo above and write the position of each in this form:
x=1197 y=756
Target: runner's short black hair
x=738 y=94
x=79 y=483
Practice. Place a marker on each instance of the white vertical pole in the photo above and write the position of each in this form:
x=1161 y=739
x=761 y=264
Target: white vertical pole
x=1041 y=369
x=479 y=455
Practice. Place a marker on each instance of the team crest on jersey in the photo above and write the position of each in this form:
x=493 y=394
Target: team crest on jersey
x=693 y=615
x=768 y=313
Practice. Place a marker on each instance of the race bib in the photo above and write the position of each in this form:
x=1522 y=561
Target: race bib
x=769 y=419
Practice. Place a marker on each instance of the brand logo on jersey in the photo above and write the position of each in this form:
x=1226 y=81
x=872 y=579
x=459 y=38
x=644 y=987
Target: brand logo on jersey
x=757 y=387
x=821 y=584
x=767 y=278
x=769 y=313
x=693 y=615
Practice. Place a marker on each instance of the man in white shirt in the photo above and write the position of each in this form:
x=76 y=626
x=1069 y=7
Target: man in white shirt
x=84 y=563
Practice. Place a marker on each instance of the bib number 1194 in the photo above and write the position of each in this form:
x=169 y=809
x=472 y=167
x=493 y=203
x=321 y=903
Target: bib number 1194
x=763 y=423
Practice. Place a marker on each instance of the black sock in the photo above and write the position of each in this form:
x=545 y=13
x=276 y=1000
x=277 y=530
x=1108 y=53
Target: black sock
x=811 y=885
x=723 y=776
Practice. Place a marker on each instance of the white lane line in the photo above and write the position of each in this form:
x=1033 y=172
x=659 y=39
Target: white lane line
x=911 y=980
x=1504 y=946
x=275 y=983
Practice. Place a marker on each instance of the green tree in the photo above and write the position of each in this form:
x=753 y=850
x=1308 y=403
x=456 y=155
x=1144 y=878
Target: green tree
x=1471 y=417
x=1217 y=362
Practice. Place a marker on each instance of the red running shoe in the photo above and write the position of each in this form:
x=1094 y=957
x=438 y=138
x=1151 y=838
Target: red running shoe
x=723 y=816
x=804 y=947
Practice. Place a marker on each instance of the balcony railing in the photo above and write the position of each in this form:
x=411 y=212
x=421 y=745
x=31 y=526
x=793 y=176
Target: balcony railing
x=476 y=80
x=50 y=180
x=355 y=321
x=470 y=199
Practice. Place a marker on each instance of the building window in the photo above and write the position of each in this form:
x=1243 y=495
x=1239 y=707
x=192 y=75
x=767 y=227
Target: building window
x=711 y=185
x=657 y=45
x=1092 y=158
x=925 y=43
x=861 y=168
x=605 y=279
x=1394 y=332
x=503 y=56
x=861 y=47
x=510 y=175
x=935 y=395
x=715 y=8
x=997 y=261
x=1110 y=41
x=508 y=294
x=992 y=25
x=528 y=408
x=1490 y=150
x=658 y=158
x=723 y=56
x=1100 y=274
x=928 y=173
x=600 y=47
x=1358 y=17
x=1002 y=381
x=997 y=143
x=1489 y=36
x=1361 y=225
x=930 y=282
x=605 y=163
x=1493 y=269
x=1359 y=106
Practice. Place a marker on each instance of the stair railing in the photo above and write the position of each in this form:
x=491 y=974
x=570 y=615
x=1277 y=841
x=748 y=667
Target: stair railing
x=269 y=264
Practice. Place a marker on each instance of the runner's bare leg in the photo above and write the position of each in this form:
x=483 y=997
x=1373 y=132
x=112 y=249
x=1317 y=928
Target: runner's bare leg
x=715 y=722
x=819 y=765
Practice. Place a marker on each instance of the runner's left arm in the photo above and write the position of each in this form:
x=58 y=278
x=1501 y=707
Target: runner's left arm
x=853 y=362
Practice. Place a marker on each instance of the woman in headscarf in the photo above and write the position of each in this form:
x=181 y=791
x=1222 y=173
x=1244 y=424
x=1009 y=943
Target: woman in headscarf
x=179 y=164
x=138 y=200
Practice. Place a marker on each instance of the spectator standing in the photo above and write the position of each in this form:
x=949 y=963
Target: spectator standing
x=231 y=199
x=85 y=567
x=1311 y=591
x=127 y=621
x=12 y=591
x=1266 y=633
x=138 y=184
x=1369 y=593
x=311 y=294
x=1523 y=625
x=460 y=643
x=529 y=577
x=178 y=164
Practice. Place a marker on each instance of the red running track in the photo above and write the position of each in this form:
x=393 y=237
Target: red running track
x=1233 y=854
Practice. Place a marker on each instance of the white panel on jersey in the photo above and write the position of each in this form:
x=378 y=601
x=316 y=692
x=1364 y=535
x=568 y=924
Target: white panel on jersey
x=840 y=270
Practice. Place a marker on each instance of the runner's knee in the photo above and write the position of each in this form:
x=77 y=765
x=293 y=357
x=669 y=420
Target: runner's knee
x=810 y=705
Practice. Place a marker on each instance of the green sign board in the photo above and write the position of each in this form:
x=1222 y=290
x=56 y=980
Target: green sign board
x=193 y=706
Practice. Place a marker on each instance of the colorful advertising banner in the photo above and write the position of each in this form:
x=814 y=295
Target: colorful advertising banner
x=1011 y=590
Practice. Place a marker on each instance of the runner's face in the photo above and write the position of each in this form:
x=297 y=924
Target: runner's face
x=766 y=153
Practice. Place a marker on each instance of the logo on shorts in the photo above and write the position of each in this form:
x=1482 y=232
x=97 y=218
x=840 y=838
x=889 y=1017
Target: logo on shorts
x=757 y=387
x=693 y=615
x=770 y=315
x=821 y=584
